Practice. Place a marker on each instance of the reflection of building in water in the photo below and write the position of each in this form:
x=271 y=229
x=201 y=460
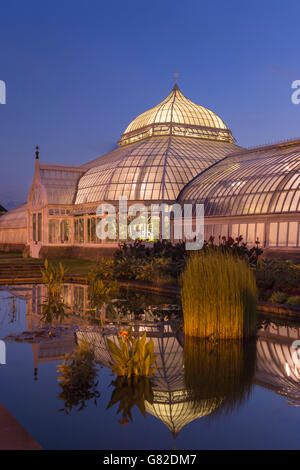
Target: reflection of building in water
x=34 y=296
x=173 y=404
x=52 y=351
x=10 y=305
x=277 y=368
x=74 y=296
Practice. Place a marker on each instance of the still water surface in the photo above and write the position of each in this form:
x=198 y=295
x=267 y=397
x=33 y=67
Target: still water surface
x=204 y=397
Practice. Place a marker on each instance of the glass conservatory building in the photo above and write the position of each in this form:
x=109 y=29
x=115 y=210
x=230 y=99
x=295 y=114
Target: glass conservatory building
x=175 y=152
x=254 y=193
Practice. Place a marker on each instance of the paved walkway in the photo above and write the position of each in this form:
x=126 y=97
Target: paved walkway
x=12 y=435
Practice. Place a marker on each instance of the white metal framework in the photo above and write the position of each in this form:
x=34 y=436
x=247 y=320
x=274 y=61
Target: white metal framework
x=155 y=169
x=255 y=193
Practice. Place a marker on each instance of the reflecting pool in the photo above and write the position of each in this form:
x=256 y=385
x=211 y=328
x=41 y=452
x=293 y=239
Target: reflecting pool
x=203 y=394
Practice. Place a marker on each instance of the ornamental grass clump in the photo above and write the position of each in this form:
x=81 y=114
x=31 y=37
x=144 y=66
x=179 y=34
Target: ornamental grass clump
x=219 y=296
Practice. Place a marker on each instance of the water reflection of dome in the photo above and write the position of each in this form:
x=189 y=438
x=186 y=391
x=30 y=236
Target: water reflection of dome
x=177 y=409
x=173 y=404
x=276 y=368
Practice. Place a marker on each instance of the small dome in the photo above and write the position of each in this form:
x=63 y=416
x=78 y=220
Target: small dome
x=178 y=409
x=177 y=115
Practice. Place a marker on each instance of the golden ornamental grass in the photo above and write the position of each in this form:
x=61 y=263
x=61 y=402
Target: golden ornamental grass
x=219 y=296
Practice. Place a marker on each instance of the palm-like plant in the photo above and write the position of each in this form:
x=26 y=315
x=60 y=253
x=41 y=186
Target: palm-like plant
x=133 y=356
x=53 y=278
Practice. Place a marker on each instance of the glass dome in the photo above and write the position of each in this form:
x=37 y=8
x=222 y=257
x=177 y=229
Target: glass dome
x=178 y=409
x=177 y=115
x=154 y=169
x=260 y=181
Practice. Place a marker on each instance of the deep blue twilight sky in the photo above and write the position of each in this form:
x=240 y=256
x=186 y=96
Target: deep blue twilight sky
x=77 y=72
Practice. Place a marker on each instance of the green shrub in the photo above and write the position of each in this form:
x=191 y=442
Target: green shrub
x=154 y=263
x=103 y=270
x=164 y=249
x=277 y=275
x=294 y=300
x=125 y=268
x=149 y=270
x=129 y=267
x=278 y=297
x=219 y=296
x=235 y=247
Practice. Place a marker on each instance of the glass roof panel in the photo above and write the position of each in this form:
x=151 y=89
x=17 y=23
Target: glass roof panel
x=15 y=218
x=259 y=181
x=169 y=162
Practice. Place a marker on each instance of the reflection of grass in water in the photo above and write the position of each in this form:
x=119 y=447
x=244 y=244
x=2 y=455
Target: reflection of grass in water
x=220 y=374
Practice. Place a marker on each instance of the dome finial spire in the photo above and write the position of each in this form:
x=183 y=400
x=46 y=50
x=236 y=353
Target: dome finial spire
x=37 y=148
x=176 y=77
